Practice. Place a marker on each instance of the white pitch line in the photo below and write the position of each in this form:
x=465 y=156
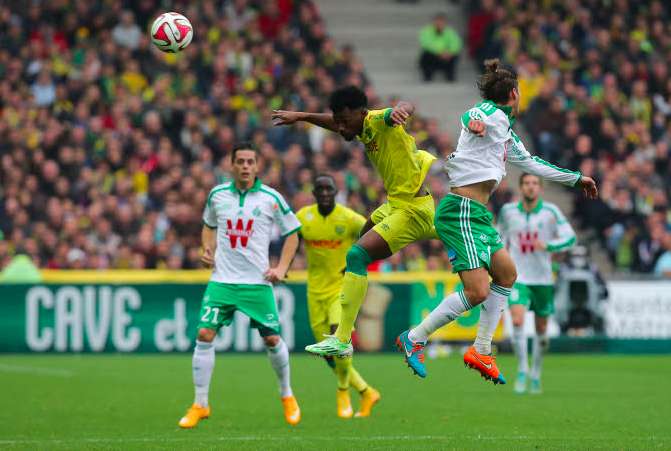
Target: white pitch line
x=59 y=372
x=298 y=438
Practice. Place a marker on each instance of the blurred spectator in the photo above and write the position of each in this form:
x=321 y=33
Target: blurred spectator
x=109 y=148
x=594 y=78
x=441 y=46
x=663 y=264
x=127 y=33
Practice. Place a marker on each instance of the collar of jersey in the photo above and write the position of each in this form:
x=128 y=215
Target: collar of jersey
x=538 y=207
x=255 y=187
x=505 y=108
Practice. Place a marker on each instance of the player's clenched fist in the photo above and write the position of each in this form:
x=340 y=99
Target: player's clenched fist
x=476 y=127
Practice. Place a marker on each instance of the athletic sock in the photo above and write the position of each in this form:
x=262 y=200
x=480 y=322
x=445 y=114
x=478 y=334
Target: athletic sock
x=448 y=310
x=355 y=285
x=490 y=315
x=539 y=343
x=279 y=359
x=520 y=346
x=202 y=366
x=353 y=293
x=356 y=381
x=343 y=366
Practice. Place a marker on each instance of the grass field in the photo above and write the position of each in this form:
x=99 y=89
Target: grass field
x=134 y=402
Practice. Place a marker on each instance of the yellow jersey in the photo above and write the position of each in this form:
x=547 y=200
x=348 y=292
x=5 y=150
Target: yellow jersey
x=327 y=240
x=394 y=154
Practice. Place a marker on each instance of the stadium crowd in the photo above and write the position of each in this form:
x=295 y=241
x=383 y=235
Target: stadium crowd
x=108 y=147
x=596 y=96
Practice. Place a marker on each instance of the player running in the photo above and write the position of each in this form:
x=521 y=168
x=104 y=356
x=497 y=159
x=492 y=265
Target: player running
x=406 y=217
x=464 y=224
x=533 y=229
x=328 y=230
x=238 y=221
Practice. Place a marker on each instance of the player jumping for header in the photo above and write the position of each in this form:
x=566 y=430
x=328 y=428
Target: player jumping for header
x=533 y=229
x=238 y=221
x=406 y=217
x=464 y=224
x=329 y=230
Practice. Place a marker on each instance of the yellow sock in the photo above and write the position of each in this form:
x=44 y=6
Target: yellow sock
x=356 y=381
x=352 y=296
x=343 y=367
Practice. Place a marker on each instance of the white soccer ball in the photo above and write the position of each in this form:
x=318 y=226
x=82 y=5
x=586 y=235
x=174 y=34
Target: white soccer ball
x=171 y=32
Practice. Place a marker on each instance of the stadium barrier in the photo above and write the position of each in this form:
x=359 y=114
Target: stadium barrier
x=157 y=311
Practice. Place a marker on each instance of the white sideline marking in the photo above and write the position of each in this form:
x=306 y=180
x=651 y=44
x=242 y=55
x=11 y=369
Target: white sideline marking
x=252 y=438
x=59 y=372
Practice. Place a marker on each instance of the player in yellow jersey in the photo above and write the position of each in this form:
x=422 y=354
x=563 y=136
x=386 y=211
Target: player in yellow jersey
x=406 y=217
x=328 y=230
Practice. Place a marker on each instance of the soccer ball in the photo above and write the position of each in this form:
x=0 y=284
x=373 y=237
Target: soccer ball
x=171 y=32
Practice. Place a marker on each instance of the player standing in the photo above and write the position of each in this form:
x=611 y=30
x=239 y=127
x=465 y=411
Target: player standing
x=328 y=230
x=406 y=217
x=533 y=229
x=464 y=224
x=238 y=221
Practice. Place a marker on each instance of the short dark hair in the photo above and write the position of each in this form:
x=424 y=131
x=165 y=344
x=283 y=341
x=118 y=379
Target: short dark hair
x=348 y=97
x=243 y=145
x=526 y=174
x=323 y=175
x=497 y=81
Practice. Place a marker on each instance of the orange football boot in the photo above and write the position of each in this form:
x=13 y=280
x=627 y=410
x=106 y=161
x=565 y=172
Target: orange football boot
x=292 y=413
x=369 y=398
x=195 y=413
x=485 y=364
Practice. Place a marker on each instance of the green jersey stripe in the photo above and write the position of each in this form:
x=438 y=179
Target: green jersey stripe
x=561 y=246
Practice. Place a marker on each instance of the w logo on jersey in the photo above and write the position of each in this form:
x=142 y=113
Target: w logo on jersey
x=527 y=240
x=241 y=231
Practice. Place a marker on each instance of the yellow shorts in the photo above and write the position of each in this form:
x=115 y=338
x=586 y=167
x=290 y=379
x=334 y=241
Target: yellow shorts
x=323 y=311
x=401 y=223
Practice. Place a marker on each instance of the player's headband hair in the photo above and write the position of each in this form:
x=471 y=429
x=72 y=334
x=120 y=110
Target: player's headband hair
x=497 y=81
x=349 y=97
x=244 y=145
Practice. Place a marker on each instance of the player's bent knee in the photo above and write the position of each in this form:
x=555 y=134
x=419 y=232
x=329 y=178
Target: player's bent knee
x=476 y=295
x=358 y=260
x=271 y=340
x=206 y=335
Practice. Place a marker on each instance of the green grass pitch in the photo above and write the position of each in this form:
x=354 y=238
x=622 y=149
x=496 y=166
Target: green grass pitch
x=134 y=402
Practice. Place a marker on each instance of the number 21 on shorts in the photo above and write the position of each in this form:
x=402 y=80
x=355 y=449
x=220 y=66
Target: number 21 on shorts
x=215 y=314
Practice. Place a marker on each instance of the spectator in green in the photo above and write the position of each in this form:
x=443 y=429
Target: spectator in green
x=441 y=46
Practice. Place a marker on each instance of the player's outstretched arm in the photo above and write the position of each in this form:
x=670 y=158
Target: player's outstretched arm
x=289 y=249
x=323 y=120
x=209 y=242
x=521 y=158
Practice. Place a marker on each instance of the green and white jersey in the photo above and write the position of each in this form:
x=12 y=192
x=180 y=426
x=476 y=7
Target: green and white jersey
x=482 y=158
x=520 y=229
x=245 y=221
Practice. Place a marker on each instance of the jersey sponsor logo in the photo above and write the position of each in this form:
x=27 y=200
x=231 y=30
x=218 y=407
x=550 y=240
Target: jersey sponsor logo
x=324 y=244
x=527 y=240
x=241 y=232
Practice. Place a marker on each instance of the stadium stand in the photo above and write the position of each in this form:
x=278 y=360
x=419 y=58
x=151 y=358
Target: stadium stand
x=594 y=77
x=108 y=147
